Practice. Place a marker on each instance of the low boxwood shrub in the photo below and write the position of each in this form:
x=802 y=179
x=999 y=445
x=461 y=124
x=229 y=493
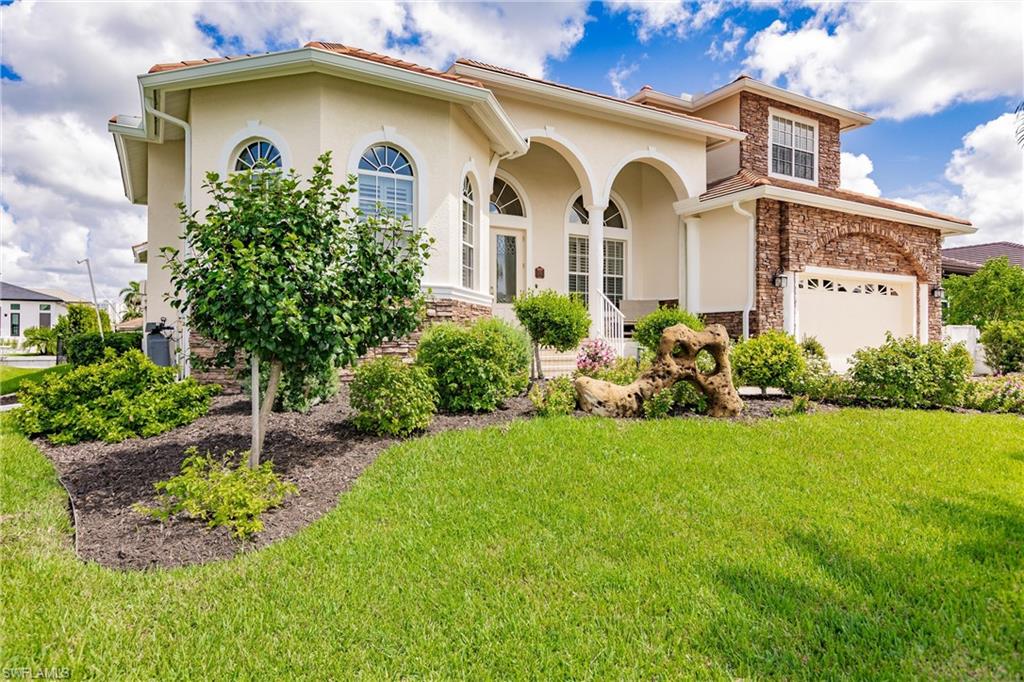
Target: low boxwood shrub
x=996 y=394
x=772 y=359
x=1004 y=346
x=907 y=373
x=554 y=397
x=89 y=347
x=660 y=404
x=812 y=348
x=122 y=397
x=300 y=387
x=478 y=367
x=552 y=320
x=622 y=371
x=648 y=329
x=223 y=491
x=392 y=398
x=594 y=355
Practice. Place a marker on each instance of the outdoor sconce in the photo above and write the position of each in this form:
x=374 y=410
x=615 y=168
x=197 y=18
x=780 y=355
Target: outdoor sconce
x=538 y=272
x=938 y=292
x=780 y=280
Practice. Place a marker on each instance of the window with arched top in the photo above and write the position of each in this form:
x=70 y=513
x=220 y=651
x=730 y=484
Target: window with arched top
x=256 y=151
x=468 y=233
x=505 y=200
x=386 y=180
x=613 y=283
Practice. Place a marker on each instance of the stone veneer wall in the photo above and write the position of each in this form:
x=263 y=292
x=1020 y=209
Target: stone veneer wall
x=793 y=236
x=733 y=321
x=754 y=152
x=437 y=310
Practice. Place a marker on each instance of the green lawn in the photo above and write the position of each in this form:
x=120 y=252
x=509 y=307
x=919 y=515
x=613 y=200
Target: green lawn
x=856 y=543
x=12 y=378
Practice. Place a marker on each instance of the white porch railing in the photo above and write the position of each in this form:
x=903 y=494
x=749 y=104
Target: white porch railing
x=613 y=325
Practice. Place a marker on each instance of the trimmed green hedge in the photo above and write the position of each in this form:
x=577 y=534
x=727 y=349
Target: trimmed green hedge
x=88 y=347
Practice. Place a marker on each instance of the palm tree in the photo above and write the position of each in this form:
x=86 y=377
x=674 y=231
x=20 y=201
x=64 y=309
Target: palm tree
x=131 y=295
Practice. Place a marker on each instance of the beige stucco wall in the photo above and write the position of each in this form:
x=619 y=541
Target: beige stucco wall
x=724 y=274
x=166 y=183
x=653 y=249
x=725 y=160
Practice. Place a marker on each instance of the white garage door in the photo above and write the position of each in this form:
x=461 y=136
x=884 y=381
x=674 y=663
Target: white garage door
x=847 y=312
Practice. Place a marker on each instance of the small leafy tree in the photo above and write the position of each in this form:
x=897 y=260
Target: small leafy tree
x=290 y=273
x=771 y=359
x=1004 y=345
x=79 y=319
x=994 y=292
x=555 y=320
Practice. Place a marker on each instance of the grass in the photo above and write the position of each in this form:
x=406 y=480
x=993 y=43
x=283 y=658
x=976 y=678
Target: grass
x=13 y=378
x=857 y=543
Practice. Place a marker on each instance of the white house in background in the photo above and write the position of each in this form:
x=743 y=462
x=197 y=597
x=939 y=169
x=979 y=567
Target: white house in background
x=22 y=308
x=726 y=203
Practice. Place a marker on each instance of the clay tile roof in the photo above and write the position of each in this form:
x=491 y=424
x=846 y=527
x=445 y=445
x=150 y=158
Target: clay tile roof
x=517 y=74
x=979 y=254
x=336 y=48
x=959 y=267
x=747 y=179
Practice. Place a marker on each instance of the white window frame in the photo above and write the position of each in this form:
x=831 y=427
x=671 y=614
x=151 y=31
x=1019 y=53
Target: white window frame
x=414 y=178
x=468 y=207
x=772 y=112
x=569 y=273
x=611 y=234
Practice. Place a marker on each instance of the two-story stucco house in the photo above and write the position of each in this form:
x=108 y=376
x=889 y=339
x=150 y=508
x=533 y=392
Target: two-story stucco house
x=727 y=203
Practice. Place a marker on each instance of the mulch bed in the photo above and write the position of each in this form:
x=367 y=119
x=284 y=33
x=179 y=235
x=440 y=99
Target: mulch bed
x=320 y=452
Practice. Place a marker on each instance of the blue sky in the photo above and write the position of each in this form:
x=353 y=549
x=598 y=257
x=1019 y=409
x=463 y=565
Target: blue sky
x=940 y=77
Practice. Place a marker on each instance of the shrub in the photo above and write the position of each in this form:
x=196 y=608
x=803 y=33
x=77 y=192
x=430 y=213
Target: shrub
x=78 y=319
x=555 y=320
x=122 y=397
x=89 y=347
x=648 y=329
x=622 y=371
x=688 y=397
x=222 y=492
x=660 y=404
x=301 y=387
x=772 y=359
x=1004 y=346
x=812 y=348
x=392 y=398
x=594 y=354
x=44 y=341
x=995 y=292
x=996 y=394
x=476 y=368
x=553 y=398
x=801 y=405
x=907 y=373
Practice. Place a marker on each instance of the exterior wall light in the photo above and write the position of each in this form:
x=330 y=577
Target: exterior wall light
x=938 y=292
x=780 y=280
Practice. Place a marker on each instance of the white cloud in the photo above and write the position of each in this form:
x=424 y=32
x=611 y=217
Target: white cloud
x=897 y=60
x=854 y=172
x=62 y=198
x=676 y=18
x=731 y=35
x=617 y=76
x=988 y=172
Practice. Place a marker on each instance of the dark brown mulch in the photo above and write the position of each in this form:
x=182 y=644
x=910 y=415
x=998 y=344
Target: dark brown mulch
x=320 y=451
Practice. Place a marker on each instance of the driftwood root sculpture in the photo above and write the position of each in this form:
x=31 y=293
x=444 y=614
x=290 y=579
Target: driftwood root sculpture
x=676 y=361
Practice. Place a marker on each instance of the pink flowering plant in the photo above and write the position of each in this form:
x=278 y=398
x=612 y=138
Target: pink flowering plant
x=594 y=355
x=997 y=394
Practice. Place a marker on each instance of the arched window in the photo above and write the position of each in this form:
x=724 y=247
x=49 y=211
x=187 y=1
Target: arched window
x=505 y=200
x=468 y=233
x=386 y=179
x=254 y=152
x=612 y=214
x=614 y=280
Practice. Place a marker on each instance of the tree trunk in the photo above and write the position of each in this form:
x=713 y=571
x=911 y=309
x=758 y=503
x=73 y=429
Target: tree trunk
x=254 y=398
x=268 y=399
x=538 y=370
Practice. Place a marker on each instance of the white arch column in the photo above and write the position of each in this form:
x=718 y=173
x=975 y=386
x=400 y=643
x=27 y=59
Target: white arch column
x=595 y=215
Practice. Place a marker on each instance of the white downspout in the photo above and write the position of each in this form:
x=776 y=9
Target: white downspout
x=751 y=267
x=186 y=367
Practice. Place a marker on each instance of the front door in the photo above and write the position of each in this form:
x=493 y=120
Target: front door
x=508 y=274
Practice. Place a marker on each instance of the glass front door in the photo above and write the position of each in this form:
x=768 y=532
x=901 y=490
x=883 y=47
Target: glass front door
x=508 y=275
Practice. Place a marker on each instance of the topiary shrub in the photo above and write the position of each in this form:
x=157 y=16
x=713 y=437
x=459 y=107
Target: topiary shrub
x=660 y=404
x=554 y=398
x=553 y=320
x=772 y=359
x=89 y=347
x=221 y=491
x=594 y=355
x=1004 y=346
x=648 y=329
x=392 y=398
x=122 y=397
x=907 y=373
x=301 y=387
x=476 y=368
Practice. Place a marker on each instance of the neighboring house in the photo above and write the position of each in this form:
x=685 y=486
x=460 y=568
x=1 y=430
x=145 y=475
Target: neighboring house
x=727 y=203
x=21 y=308
x=967 y=260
